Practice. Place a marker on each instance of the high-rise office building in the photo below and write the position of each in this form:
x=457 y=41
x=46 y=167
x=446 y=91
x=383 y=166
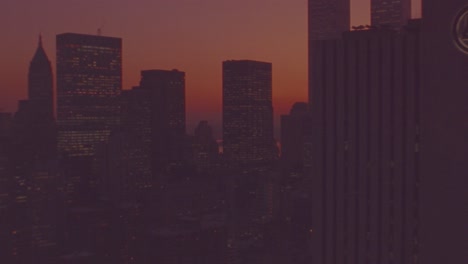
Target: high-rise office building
x=125 y=162
x=248 y=111
x=296 y=129
x=167 y=93
x=89 y=80
x=33 y=146
x=367 y=133
x=328 y=19
x=40 y=83
x=395 y=13
x=444 y=142
x=204 y=146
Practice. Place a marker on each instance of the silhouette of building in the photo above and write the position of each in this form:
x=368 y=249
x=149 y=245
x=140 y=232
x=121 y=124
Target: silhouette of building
x=204 y=147
x=167 y=93
x=40 y=83
x=395 y=13
x=444 y=142
x=89 y=80
x=296 y=131
x=32 y=147
x=248 y=112
x=327 y=19
x=366 y=119
x=124 y=163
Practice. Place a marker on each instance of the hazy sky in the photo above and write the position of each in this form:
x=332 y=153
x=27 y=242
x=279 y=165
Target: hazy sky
x=194 y=36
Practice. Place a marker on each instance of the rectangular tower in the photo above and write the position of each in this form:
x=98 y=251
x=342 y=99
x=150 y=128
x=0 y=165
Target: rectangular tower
x=167 y=94
x=248 y=111
x=445 y=131
x=395 y=13
x=366 y=173
x=89 y=81
x=328 y=19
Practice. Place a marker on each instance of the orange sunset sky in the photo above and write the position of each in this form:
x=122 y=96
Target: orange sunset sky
x=194 y=36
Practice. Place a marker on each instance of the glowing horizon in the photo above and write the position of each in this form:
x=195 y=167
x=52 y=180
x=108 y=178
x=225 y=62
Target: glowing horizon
x=191 y=36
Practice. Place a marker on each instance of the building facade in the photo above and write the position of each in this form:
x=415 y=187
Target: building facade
x=167 y=93
x=327 y=19
x=445 y=130
x=367 y=123
x=248 y=111
x=40 y=83
x=394 y=13
x=295 y=138
x=89 y=80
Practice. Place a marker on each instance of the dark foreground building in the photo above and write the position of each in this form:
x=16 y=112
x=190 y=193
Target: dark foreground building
x=366 y=114
x=444 y=132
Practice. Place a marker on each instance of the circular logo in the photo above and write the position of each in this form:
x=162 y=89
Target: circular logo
x=460 y=30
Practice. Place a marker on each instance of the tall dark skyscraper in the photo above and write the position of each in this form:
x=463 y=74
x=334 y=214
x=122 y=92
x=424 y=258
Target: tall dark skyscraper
x=248 y=111
x=328 y=19
x=167 y=93
x=395 y=13
x=40 y=83
x=89 y=80
x=367 y=133
x=445 y=128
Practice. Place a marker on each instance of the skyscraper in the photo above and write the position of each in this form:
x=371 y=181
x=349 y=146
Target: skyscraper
x=40 y=83
x=367 y=136
x=248 y=111
x=328 y=19
x=167 y=95
x=295 y=137
x=125 y=162
x=444 y=142
x=395 y=13
x=89 y=80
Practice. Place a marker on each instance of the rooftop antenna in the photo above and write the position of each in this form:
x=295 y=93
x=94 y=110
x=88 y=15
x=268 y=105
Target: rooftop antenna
x=99 y=31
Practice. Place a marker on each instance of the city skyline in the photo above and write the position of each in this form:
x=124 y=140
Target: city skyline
x=370 y=168
x=161 y=43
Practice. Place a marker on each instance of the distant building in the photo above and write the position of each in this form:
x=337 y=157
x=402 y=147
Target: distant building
x=248 y=112
x=204 y=146
x=136 y=129
x=124 y=163
x=40 y=82
x=295 y=137
x=366 y=127
x=32 y=148
x=89 y=80
x=328 y=18
x=395 y=13
x=167 y=93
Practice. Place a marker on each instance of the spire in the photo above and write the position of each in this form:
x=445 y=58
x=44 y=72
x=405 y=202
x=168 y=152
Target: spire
x=40 y=55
